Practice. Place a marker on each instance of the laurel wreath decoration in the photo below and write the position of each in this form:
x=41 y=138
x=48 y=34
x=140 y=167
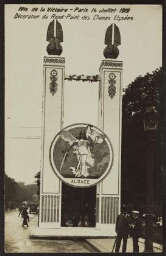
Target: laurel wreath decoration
x=84 y=78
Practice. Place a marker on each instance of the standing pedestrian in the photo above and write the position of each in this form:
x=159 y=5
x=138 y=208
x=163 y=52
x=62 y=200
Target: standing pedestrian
x=20 y=210
x=136 y=230
x=25 y=217
x=122 y=229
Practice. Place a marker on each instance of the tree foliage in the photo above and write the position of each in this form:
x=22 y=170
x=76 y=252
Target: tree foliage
x=142 y=93
x=17 y=192
x=37 y=177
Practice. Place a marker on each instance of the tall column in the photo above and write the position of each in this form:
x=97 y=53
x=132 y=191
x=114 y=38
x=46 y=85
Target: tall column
x=53 y=115
x=149 y=194
x=109 y=120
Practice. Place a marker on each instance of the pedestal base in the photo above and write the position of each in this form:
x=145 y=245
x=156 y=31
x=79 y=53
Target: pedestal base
x=71 y=232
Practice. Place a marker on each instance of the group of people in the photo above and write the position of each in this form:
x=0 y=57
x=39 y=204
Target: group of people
x=128 y=225
x=24 y=214
x=78 y=216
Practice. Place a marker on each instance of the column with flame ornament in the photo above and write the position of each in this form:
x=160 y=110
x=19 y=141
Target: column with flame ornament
x=109 y=120
x=53 y=119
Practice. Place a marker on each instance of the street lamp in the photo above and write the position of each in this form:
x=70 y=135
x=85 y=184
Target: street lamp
x=150 y=126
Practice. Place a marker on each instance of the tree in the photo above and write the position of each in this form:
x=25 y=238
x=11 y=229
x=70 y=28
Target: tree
x=142 y=93
x=37 y=176
x=14 y=194
x=17 y=192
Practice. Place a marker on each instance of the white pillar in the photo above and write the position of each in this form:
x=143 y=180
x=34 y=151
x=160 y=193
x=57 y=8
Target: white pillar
x=53 y=118
x=109 y=120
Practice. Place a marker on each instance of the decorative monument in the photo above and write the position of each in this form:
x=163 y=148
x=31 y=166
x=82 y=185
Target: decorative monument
x=81 y=163
x=112 y=40
x=54 y=37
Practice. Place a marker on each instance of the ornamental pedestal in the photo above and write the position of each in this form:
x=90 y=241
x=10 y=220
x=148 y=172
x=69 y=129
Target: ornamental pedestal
x=109 y=121
x=53 y=114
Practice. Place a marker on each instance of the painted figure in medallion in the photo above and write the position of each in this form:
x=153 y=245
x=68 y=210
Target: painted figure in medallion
x=81 y=154
x=82 y=149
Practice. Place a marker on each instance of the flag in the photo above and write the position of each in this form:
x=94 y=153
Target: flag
x=55 y=30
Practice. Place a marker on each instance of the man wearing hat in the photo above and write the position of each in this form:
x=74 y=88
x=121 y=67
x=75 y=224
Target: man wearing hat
x=136 y=230
x=122 y=229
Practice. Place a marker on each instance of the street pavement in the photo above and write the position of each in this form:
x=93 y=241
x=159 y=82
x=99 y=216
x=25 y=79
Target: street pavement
x=106 y=245
x=17 y=240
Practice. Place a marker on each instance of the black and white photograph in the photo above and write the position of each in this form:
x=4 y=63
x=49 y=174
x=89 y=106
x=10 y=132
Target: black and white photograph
x=83 y=128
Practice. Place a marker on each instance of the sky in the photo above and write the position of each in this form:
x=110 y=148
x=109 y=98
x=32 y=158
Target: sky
x=83 y=45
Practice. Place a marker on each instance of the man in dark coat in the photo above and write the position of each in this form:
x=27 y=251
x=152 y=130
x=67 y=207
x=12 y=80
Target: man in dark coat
x=25 y=217
x=122 y=229
x=136 y=230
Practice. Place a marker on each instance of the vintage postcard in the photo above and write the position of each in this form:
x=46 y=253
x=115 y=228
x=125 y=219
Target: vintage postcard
x=83 y=126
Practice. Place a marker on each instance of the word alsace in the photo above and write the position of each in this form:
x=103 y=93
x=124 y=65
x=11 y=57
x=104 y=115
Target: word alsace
x=79 y=181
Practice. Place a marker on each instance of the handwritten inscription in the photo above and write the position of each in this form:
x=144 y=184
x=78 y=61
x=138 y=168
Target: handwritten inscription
x=25 y=16
x=74 y=13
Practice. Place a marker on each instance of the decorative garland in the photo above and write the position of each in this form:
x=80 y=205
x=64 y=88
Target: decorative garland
x=83 y=78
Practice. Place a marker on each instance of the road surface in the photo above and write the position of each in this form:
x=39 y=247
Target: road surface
x=17 y=239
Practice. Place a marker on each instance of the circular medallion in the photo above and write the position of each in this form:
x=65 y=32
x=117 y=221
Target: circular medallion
x=53 y=72
x=112 y=76
x=81 y=155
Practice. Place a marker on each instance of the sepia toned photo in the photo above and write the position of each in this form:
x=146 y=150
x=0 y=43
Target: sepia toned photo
x=83 y=128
